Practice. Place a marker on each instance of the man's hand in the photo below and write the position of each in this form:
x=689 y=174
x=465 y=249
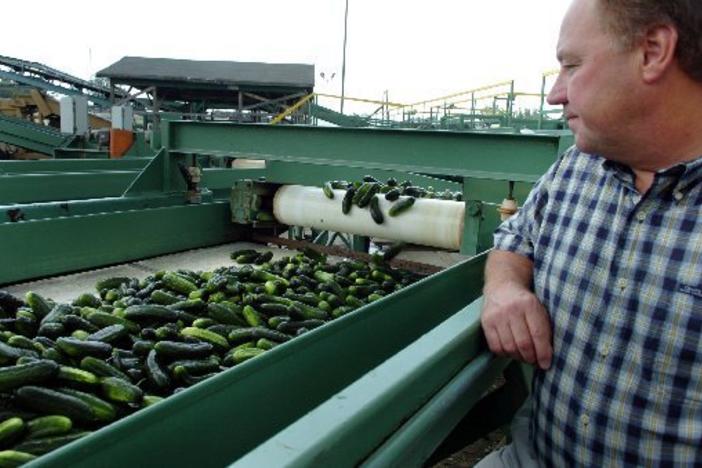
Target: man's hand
x=516 y=324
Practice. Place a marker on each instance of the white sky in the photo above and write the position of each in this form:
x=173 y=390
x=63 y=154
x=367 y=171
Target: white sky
x=416 y=49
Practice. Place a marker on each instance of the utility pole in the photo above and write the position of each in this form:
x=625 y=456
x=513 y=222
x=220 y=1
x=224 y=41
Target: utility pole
x=343 y=62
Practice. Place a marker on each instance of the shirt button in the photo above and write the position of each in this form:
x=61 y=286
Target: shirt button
x=622 y=283
x=604 y=351
x=641 y=216
x=584 y=419
x=678 y=195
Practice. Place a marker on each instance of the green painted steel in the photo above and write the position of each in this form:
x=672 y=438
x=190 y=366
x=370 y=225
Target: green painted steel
x=416 y=440
x=337 y=118
x=44 y=247
x=77 y=165
x=470 y=154
x=223 y=418
x=32 y=188
x=363 y=415
x=31 y=136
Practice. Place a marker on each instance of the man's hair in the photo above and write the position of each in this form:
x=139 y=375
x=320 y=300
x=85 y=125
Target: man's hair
x=627 y=20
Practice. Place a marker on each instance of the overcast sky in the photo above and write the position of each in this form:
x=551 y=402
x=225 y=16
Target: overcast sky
x=415 y=49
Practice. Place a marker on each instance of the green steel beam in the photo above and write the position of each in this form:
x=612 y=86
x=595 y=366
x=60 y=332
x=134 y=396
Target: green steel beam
x=32 y=188
x=219 y=420
x=363 y=415
x=31 y=136
x=39 y=248
x=471 y=154
x=75 y=165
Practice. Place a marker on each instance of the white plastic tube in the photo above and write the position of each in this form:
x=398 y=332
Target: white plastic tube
x=436 y=223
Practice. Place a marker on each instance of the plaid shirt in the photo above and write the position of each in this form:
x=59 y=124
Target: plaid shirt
x=621 y=277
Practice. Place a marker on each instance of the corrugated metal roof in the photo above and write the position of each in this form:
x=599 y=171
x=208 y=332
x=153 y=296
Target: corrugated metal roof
x=210 y=72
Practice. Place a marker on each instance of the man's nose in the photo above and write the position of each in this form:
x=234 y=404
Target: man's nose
x=558 y=95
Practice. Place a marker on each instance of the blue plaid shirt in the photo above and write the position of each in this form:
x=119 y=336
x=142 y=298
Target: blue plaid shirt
x=621 y=276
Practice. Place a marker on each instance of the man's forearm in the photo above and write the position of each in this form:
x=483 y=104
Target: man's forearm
x=507 y=268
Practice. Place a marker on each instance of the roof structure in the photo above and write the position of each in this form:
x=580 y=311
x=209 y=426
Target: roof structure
x=213 y=81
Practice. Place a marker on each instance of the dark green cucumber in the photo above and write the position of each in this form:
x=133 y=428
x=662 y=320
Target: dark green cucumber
x=52 y=330
x=57 y=312
x=347 y=202
x=11 y=429
x=142 y=347
x=11 y=458
x=293 y=326
x=328 y=190
x=197 y=366
x=111 y=283
x=101 y=368
x=244 y=354
x=178 y=350
x=87 y=300
x=78 y=348
x=73 y=375
x=47 y=401
x=120 y=390
x=11 y=353
x=401 y=206
x=224 y=314
x=109 y=334
x=254 y=333
x=47 y=426
x=149 y=400
x=163 y=297
x=38 y=304
x=375 y=211
x=155 y=373
x=218 y=341
x=265 y=343
x=150 y=312
x=392 y=195
x=184 y=375
x=44 y=445
x=105 y=319
x=252 y=317
x=76 y=322
x=178 y=283
x=20 y=341
x=102 y=410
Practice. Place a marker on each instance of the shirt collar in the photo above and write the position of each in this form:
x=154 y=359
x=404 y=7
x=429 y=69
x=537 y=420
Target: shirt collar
x=680 y=177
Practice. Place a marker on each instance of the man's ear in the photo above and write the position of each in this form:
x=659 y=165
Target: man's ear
x=658 y=51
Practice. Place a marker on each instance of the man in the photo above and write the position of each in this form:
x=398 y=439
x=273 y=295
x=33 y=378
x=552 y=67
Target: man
x=598 y=279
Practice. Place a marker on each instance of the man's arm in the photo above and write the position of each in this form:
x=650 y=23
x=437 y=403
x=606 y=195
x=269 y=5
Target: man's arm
x=515 y=322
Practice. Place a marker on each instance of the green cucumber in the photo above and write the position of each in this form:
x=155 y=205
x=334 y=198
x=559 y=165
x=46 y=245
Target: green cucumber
x=101 y=368
x=11 y=429
x=109 y=334
x=197 y=366
x=11 y=353
x=205 y=335
x=38 y=304
x=11 y=458
x=46 y=426
x=244 y=354
x=347 y=202
x=328 y=190
x=47 y=401
x=74 y=375
x=149 y=400
x=105 y=319
x=44 y=445
x=87 y=300
x=224 y=314
x=392 y=195
x=102 y=410
x=265 y=343
x=375 y=211
x=155 y=373
x=163 y=297
x=247 y=334
x=178 y=283
x=120 y=390
x=401 y=206
x=111 y=283
x=150 y=312
x=252 y=317
x=178 y=350
x=78 y=348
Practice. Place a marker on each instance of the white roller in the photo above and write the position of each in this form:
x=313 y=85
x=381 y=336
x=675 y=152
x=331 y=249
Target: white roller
x=436 y=223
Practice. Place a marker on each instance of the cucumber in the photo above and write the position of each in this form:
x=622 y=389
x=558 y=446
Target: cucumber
x=142 y=347
x=58 y=311
x=20 y=341
x=44 y=445
x=47 y=401
x=244 y=354
x=155 y=373
x=101 y=368
x=203 y=323
x=105 y=319
x=178 y=350
x=255 y=333
x=52 y=330
x=69 y=374
x=10 y=303
x=328 y=190
x=401 y=206
x=341 y=310
x=46 y=426
x=182 y=374
x=111 y=283
x=272 y=308
x=38 y=304
x=392 y=195
x=120 y=390
x=196 y=366
x=11 y=458
x=376 y=214
x=11 y=353
x=78 y=348
x=265 y=343
x=102 y=410
x=293 y=327
x=87 y=300
x=347 y=201
x=109 y=334
x=149 y=400
x=76 y=322
x=163 y=297
x=10 y=430
x=193 y=305
x=205 y=335
x=252 y=317
x=178 y=283
x=276 y=320
x=370 y=193
x=150 y=312
x=225 y=315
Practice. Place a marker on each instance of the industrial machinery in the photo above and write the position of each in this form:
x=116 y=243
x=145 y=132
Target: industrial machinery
x=382 y=386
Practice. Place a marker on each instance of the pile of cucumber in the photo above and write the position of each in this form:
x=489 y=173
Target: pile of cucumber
x=69 y=369
x=365 y=193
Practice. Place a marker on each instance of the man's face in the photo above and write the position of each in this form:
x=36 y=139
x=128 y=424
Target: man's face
x=597 y=81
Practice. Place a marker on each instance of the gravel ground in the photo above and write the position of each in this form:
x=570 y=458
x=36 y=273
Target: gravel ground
x=474 y=452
